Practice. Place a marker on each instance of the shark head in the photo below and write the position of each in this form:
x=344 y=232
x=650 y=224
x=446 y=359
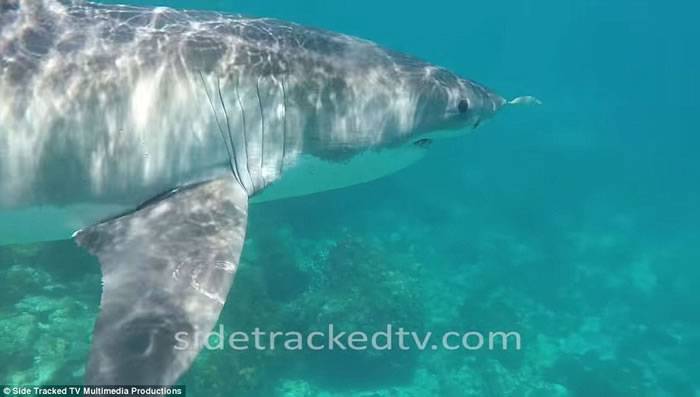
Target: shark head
x=361 y=96
x=446 y=102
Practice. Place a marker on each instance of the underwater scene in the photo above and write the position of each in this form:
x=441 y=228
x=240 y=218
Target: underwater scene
x=573 y=223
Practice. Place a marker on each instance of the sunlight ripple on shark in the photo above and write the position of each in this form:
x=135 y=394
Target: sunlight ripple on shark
x=143 y=134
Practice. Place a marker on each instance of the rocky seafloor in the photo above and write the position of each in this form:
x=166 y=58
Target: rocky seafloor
x=600 y=312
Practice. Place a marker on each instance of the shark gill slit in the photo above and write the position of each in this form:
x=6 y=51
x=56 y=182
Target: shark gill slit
x=245 y=133
x=230 y=136
x=221 y=130
x=284 y=126
x=262 y=131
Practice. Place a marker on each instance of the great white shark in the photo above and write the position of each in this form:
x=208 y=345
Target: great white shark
x=144 y=133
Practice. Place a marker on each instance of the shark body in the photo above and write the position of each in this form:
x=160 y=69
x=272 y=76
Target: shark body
x=145 y=132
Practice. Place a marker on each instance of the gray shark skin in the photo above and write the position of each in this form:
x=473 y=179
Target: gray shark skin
x=149 y=130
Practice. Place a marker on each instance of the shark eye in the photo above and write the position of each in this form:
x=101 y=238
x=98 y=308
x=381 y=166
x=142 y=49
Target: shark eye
x=463 y=106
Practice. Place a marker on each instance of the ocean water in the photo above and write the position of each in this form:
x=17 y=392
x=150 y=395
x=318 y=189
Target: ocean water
x=574 y=223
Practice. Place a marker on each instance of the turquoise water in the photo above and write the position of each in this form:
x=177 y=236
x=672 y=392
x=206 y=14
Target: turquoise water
x=574 y=223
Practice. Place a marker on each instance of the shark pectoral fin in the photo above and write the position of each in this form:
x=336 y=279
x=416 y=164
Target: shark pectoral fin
x=167 y=269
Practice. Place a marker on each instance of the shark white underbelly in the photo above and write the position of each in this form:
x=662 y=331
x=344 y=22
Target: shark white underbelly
x=311 y=175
